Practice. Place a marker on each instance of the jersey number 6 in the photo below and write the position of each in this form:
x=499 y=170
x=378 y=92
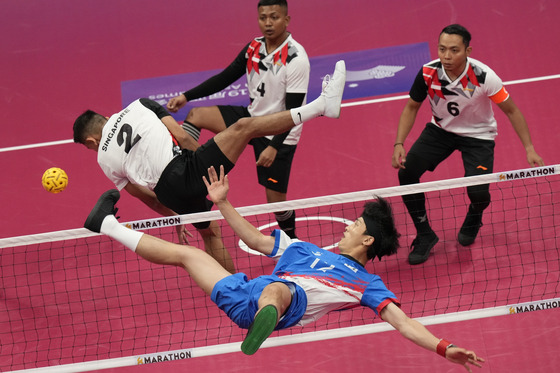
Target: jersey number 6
x=453 y=108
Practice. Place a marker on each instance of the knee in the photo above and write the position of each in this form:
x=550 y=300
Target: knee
x=407 y=176
x=185 y=255
x=414 y=169
x=278 y=294
x=479 y=196
x=243 y=124
x=194 y=115
x=274 y=289
x=243 y=128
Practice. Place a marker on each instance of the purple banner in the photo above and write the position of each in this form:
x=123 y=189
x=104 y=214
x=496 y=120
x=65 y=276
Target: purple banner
x=372 y=72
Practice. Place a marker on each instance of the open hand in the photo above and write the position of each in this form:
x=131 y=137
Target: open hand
x=464 y=357
x=218 y=187
x=183 y=234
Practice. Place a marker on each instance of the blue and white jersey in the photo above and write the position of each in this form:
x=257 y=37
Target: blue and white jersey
x=331 y=281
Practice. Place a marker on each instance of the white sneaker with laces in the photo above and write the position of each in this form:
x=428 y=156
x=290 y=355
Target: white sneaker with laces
x=333 y=88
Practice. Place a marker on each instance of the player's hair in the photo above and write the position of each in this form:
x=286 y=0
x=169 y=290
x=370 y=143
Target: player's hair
x=86 y=124
x=386 y=236
x=456 y=29
x=282 y=3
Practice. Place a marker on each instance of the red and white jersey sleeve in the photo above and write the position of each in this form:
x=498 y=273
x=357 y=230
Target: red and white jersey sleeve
x=271 y=75
x=462 y=106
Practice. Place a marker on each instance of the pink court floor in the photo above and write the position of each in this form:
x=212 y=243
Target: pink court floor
x=62 y=57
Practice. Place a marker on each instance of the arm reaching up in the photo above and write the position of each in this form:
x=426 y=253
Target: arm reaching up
x=218 y=188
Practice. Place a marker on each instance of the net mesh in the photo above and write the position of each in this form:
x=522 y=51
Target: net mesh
x=88 y=298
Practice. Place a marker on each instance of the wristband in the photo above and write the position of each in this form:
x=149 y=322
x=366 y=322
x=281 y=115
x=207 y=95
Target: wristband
x=442 y=347
x=398 y=143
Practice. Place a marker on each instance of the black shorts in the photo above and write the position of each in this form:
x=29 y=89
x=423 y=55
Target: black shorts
x=181 y=187
x=277 y=176
x=232 y=114
x=435 y=144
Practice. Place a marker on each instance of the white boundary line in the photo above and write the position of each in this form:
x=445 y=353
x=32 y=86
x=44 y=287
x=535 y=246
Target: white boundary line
x=347 y=104
x=294 y=339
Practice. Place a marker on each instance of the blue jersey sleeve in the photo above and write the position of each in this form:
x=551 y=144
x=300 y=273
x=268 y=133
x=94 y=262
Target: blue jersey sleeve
x=281 y=243
x=377 y=296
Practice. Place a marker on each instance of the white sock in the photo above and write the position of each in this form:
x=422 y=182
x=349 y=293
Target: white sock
x=112 y=228
x=307 y=112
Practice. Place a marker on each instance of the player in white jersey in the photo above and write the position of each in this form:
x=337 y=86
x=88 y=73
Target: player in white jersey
x=277 y=70
x=460 y=91
x=306 y=283
x=139 y=149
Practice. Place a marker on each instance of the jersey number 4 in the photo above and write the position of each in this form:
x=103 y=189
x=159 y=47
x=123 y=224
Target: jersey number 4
x=261 y=90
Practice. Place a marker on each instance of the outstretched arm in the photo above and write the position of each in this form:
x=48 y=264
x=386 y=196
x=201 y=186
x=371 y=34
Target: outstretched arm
x=417 y=333
x=522 y=129
x=218 y=188
x=213 y=84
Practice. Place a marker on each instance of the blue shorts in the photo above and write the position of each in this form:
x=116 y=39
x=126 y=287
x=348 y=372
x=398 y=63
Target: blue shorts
x=238 y=297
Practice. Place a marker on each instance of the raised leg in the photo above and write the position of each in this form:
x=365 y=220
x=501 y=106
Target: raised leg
x=235 y=138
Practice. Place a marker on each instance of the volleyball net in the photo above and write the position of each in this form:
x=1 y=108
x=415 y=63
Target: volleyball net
x=77 y=301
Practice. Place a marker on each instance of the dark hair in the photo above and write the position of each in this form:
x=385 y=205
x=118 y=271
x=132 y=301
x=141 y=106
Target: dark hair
x=378 y=217
x=282 y=3
x=456 y=29
x=87 y=124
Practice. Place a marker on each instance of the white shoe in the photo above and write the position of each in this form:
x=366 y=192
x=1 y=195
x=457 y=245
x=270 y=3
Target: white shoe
x=333 y=88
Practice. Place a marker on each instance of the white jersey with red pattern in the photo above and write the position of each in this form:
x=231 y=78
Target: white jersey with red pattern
x=462 y=106
x=271 y=75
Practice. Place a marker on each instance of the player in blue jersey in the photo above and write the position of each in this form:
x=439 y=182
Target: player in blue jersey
x=300 y=289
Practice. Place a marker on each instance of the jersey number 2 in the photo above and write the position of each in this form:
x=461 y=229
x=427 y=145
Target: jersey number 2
x=125 y=137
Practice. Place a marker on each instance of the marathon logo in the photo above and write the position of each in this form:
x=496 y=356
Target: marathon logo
x=534 y=306
x=154 y=223
x=167 y=356
x=527 y=174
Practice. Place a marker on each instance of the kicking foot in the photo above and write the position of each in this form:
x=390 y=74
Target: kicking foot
x=421 y=247
x=263 y=325
x=105 y=206
x=333 y=88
